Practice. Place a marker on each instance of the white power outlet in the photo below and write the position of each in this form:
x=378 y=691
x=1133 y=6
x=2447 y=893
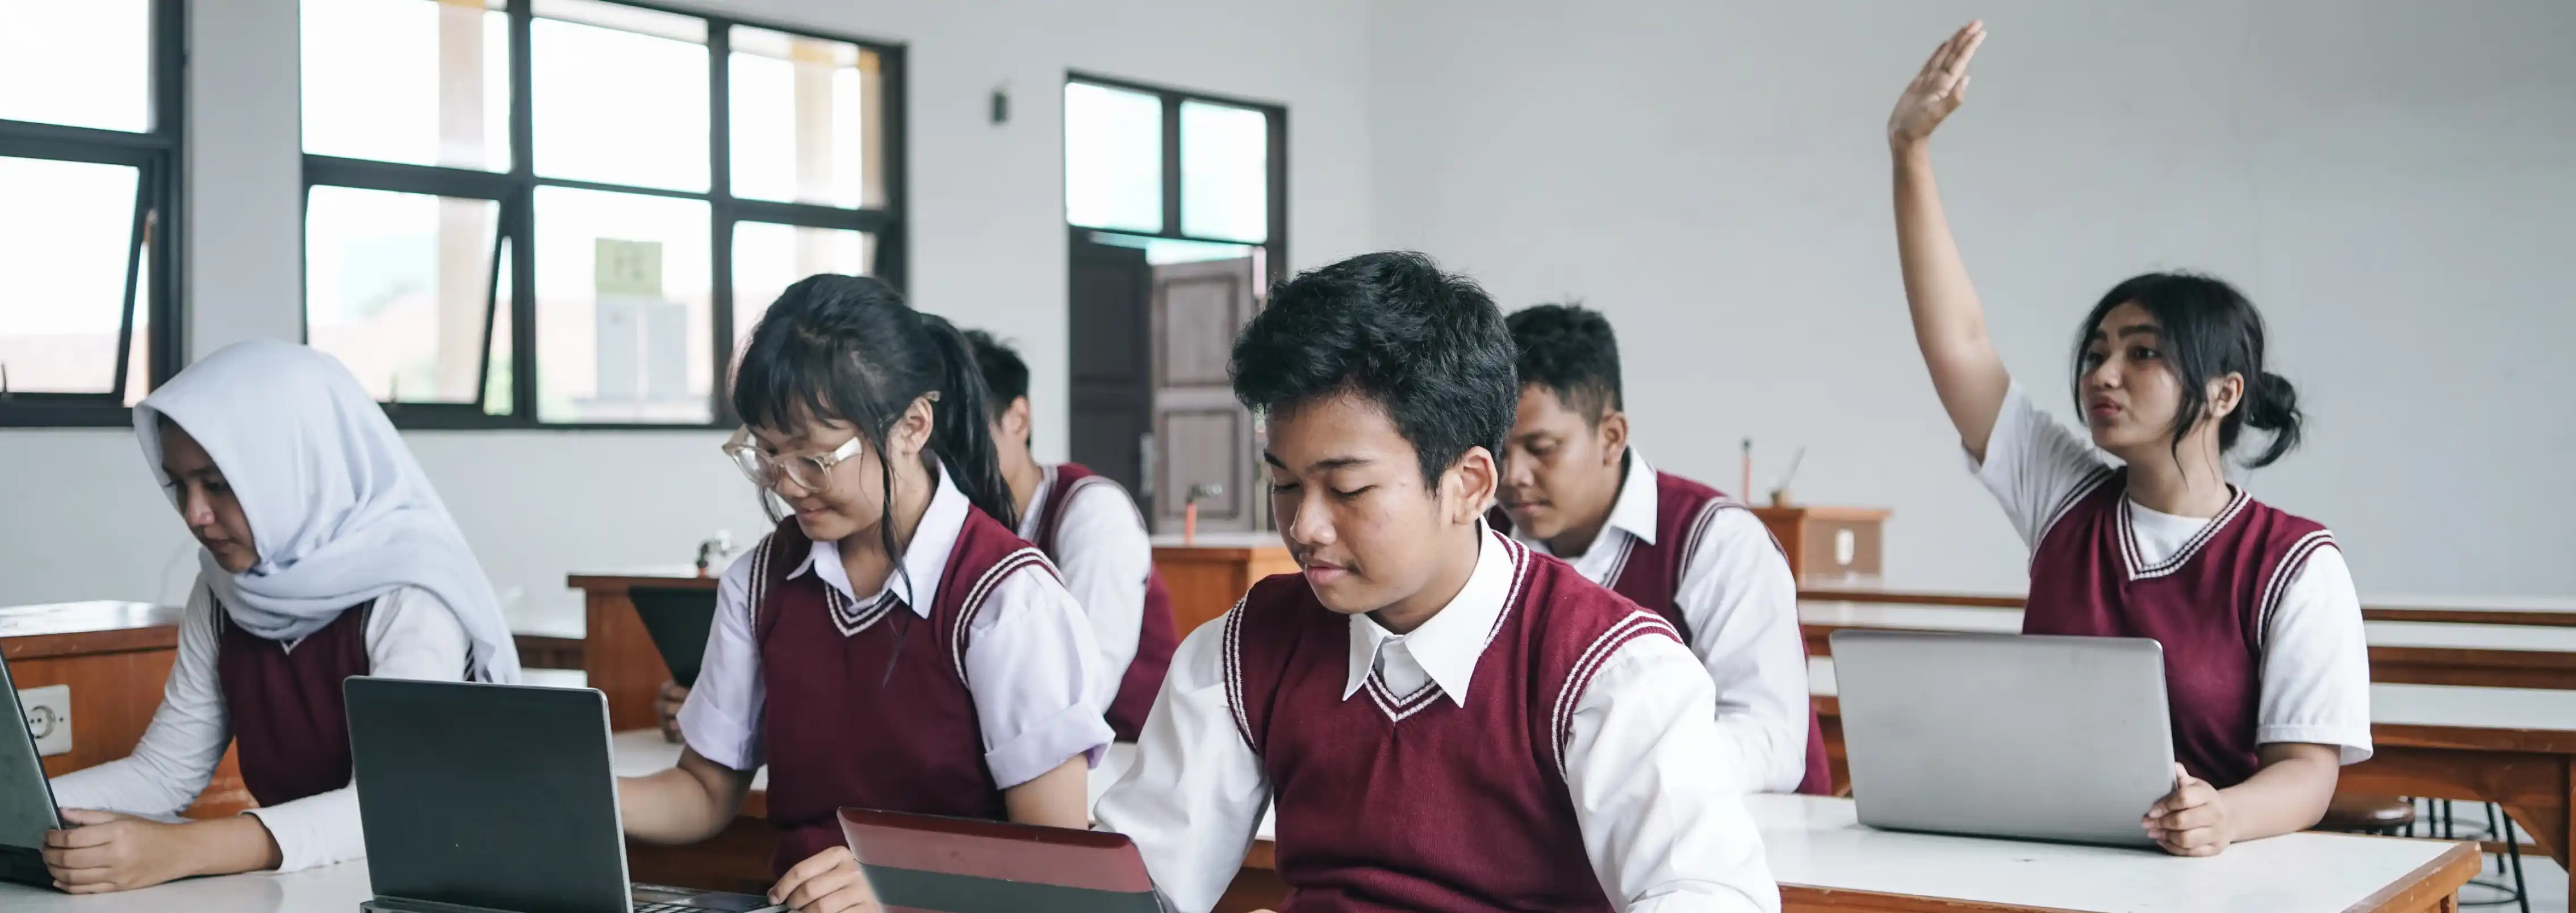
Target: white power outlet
x=49 y=717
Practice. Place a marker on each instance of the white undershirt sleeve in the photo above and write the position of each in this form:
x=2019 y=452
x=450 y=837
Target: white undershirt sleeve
x=1033 y=672
x=2033 y=464
x=2316 y=662
x=1664 y=832
x=1742 y=604
x=1194 y=797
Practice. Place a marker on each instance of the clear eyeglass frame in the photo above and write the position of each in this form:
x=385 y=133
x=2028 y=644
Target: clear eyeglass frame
x=810 y=471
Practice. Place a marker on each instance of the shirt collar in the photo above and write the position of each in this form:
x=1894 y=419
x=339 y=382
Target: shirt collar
x=1633 y=513
x=923 y=560
x=1447 y=645
x=1032 y=518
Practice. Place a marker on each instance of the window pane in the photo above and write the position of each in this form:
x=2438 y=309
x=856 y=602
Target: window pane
x=85 y=63
x=64 y=241
x=767 y=258
x=620 y=95
x=1113 y=158
x=804 y=114
x=396 y=286
x=424 y=82
x=499 y=384
x=624 y=301
x=1225 y=172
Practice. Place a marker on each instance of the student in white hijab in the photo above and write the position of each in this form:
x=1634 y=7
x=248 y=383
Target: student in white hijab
x=326 y=554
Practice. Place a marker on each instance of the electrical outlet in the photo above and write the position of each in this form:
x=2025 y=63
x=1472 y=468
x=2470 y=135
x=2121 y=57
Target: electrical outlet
x=49 y=717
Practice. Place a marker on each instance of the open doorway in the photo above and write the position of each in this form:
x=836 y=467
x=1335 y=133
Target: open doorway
x=1175 y=205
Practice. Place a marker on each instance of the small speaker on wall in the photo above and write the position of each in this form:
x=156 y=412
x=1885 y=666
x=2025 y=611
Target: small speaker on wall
x=1002 y=105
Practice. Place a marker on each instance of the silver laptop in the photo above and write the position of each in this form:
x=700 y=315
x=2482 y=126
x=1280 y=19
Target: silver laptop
x=26 y=798
x=2001 y=735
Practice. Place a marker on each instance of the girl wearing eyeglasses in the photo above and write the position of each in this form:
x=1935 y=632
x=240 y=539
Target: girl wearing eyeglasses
x=892 y=645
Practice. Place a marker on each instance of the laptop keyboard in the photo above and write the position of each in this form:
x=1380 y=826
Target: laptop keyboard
x=668 y=899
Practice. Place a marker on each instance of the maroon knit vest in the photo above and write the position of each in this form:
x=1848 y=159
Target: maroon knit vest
x=290 y=726
x=867 y=703
x=1652 y=576
x=1412 y=802
x=2207 y=605
x=1154 y=642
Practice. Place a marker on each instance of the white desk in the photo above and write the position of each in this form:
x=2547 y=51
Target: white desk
x=329 y=889
x=1814 y=842
x=1973 y=619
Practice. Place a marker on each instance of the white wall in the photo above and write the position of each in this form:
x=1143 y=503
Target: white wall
x=2392 y=183
x=79 y=518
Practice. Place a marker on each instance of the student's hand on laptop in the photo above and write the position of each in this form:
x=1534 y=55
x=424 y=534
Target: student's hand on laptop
x=666 y=707
x=826 y=882
x=2192 y=820
x=105 y=851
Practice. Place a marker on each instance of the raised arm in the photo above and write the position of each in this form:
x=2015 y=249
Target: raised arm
x=1949 y=324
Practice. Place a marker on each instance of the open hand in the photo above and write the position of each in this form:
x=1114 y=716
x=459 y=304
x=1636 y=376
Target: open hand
x=105 y=851
x=1936 y=91
x=826 y=882
x=2192 y=820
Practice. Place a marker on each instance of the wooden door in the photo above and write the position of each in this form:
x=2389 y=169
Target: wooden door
x=1203 y=438
x=1112 y=388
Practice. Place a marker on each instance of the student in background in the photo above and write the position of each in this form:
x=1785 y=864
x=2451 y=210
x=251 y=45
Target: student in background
x=1085 y=523
x=326 y=554
x=1442 y=720
x=892 y=645
x=2265 y=661
x=1575 y=489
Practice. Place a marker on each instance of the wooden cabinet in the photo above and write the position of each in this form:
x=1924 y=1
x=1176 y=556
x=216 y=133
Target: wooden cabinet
x=1825 y=543
x=1207 y=577
x=116 y=658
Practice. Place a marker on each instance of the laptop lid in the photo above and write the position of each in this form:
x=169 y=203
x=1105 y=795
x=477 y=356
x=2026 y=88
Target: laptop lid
x=957 y=865
x=677 y=620
x=493 y=796
x=27 y=808
x=2029 y=737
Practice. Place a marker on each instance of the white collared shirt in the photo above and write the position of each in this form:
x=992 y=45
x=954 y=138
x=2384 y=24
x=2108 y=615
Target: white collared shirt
x=1736 y=592
x=2315 y=651
x=410 y=634
x=1662 y=830
x=1105 y=556
x=1030 y=664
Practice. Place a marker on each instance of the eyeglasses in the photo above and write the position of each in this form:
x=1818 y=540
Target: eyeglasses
x=810 y=471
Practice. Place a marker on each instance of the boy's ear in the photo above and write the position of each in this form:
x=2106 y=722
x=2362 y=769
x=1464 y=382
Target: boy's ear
x=1469 y=485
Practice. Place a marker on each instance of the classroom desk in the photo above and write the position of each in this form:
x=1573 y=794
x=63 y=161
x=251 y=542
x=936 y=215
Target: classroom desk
x=329 y=889
x=116 y=658
x=1208 y=574
x=615 y=649
x=2536 y=611
x=2401 y=652
x=2515 y=747
x=736 y=859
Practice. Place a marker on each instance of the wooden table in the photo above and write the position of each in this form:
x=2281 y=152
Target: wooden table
x=116 y=658
x=2492 y=655
x=1206 y=576
x=615 y=649
x=2515 y=747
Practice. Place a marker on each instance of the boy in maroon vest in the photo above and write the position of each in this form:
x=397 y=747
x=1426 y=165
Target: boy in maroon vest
x=1573 y=488
x=1095 y=535
x=1440 y=718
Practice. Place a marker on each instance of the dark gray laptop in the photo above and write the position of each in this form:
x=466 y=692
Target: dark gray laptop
x=26 y=800
x=2002 y=735
x=496 y=798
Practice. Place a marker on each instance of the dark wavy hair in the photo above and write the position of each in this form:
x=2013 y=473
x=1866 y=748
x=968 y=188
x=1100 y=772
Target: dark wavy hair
x=1570 y=350
x=1427 y=346
x=2210 y=330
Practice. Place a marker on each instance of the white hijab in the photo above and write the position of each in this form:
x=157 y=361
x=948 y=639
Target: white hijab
x=340 y=511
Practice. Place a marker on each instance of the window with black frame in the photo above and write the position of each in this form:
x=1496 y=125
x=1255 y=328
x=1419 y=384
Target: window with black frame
x=89 y=195
x=568 y=212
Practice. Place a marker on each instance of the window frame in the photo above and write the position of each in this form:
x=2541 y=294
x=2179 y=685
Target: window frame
x=1275 y=116
x=515 y=191
x=159 y=225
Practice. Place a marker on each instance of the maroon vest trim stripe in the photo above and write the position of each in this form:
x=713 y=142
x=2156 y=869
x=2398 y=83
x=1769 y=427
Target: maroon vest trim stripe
x=2135 y=559
x=1233 y=657
x=2073 y=497
x=1640 y=623
x=983 y=589
x=2290 y=566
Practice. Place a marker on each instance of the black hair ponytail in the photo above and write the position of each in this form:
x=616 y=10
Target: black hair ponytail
x=962 y=430
x=2210 y=330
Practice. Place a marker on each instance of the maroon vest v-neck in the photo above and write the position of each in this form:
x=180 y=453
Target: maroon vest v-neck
x=1411 y=802
x=2207 y=605
x=867 y=703
x=1158 y=636
x=290 y=725
x=1651 y=575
